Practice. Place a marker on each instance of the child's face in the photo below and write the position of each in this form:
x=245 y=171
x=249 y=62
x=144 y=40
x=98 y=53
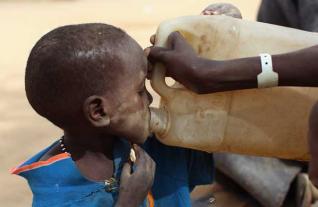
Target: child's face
x=130 y=100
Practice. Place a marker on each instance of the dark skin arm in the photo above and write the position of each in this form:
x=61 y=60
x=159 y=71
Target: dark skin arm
x=298 y=68
x=135 y=186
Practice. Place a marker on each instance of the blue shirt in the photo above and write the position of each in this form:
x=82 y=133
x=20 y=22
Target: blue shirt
x=58 y=182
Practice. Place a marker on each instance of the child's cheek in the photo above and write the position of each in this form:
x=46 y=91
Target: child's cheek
x=138 y=102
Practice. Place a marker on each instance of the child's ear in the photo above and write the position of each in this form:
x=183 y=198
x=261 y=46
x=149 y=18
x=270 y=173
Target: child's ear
x=95 y=111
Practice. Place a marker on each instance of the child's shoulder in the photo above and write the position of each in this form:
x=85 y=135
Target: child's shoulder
x=45 y=157
x=50 y=152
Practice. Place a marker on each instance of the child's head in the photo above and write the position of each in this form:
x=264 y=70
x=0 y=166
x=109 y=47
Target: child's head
x=90 y=77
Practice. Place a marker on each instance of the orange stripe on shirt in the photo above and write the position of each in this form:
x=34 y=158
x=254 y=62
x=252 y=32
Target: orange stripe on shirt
x=38 y=164
x=151 y=200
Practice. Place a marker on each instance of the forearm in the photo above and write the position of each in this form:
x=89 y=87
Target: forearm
x=298 y=68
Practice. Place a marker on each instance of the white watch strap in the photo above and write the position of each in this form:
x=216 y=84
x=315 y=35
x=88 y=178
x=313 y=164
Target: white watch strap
x=267 y=78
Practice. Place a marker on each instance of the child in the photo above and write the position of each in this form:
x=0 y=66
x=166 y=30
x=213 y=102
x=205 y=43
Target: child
x=89 y=80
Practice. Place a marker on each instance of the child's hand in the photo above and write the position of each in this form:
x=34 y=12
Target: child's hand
x=222 y=9
x=134 y=186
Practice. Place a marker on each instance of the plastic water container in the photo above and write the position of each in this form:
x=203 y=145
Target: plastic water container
x=266 y=122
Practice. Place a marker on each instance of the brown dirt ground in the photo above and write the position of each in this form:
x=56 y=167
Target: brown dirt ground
x=22 y=131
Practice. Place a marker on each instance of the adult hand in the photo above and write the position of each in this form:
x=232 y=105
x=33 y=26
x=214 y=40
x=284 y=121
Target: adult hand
x=222 y=9
x=181 y=62
x=134 y=186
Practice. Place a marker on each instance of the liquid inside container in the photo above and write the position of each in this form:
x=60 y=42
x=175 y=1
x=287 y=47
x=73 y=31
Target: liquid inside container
x=266 y=122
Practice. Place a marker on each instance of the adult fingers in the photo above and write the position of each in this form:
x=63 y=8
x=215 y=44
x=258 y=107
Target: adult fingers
x=177 y=42
x=158 y=54
x=149 y=65
x=147 y=51
x=153 y=39
x=212 y=9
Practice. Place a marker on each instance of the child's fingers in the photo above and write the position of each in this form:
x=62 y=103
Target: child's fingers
x=141 y=156
x=222 y=9
x=126 y=171
x=145 y=166
x=132 y=155
x=138 y=151
x=152 y=166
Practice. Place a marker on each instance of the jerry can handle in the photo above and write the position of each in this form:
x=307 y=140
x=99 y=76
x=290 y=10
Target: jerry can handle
x=158 y=82
x=159 y=72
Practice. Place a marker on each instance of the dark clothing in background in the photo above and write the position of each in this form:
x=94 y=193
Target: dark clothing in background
x=299 y=14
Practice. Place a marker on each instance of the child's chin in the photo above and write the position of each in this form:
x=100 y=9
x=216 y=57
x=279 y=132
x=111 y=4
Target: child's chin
x=142 y=137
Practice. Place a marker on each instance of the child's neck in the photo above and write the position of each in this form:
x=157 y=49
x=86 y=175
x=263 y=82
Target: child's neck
x=81 y=143
x=92 y=154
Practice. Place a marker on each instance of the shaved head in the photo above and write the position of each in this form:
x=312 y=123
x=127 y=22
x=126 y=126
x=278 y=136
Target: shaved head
x=71 y=63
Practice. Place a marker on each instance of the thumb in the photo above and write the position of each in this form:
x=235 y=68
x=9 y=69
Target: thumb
x=177 y=42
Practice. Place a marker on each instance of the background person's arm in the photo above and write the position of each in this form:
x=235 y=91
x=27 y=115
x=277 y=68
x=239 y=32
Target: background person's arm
x=300 y=14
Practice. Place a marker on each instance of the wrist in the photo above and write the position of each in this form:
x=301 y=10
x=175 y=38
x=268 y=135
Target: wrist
x=239 y=73
x=124 y=201
x=208 y=75
x=129 y=199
